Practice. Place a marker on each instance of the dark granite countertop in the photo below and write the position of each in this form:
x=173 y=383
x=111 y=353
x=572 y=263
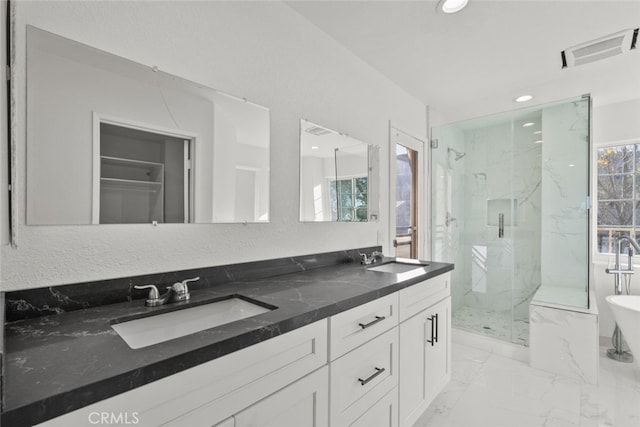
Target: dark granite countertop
x=58 y=363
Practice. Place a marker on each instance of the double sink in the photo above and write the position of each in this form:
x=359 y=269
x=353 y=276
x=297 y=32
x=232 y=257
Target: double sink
x=156 y=328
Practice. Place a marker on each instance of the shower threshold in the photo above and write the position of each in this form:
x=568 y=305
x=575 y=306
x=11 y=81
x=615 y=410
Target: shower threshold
x=496 y=325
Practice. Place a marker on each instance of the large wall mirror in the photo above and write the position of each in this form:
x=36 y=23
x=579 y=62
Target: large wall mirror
x=111 y=141
x=338 y=176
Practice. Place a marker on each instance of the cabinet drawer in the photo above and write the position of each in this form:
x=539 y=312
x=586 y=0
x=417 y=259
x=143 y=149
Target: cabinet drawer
x=354 y=327
x=304 y=403
x=418 y=297
x=383 y=413
x=362 y=377
x=217 y=389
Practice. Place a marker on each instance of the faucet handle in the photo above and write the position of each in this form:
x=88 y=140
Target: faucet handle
x=364 y=258
x=181 y=290
x=181 y=287
x=154 y=295
x=195 y=279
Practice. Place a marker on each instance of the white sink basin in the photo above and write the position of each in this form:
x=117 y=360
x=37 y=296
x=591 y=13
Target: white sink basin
x=151 y=330
x=397 y=267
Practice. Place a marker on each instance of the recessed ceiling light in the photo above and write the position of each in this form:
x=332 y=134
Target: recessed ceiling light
x=315 y=147
x=452 y=6
x=572 y=165
x=539 y=141
x=528 y=124
x=538 y=132
x=523 y=98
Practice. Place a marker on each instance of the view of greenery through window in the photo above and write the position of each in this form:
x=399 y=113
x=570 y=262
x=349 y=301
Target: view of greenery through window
x=618 y=194
x=349 y=199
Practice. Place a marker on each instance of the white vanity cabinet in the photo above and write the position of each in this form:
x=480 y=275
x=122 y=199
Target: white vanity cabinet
x=425 y=346
x=379 y=364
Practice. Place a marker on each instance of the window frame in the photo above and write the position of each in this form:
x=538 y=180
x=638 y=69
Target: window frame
x=354 y=208
x=597 y=256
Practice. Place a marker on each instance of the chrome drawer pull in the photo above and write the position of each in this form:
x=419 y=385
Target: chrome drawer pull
x=375 y=374
x=373 y=322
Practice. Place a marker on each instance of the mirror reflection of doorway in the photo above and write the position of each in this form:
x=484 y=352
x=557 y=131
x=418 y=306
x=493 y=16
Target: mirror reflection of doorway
x=407 y=163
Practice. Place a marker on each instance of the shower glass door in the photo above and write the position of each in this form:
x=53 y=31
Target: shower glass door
x=510 y=209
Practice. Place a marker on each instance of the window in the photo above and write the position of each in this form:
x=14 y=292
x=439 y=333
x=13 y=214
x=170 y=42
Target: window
x=349 y=199
x=618 y=194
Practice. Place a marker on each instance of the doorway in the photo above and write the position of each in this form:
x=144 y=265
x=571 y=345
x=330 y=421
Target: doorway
x=406 y=188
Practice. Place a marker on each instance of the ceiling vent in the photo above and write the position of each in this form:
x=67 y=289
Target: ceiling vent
x=602 y=48
x=317 y=130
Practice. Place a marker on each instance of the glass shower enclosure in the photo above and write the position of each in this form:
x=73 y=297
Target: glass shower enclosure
x=510 y=207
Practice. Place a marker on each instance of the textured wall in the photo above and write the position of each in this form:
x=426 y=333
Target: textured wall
x=263 y=51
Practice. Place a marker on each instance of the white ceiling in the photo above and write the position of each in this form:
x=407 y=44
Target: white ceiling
x=475 y=62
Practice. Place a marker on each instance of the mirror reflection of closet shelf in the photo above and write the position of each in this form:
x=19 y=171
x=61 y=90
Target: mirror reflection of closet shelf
x=144 y=176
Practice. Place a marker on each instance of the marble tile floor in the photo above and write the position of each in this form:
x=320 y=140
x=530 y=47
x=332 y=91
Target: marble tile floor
x=495 y=324
x=488 y=390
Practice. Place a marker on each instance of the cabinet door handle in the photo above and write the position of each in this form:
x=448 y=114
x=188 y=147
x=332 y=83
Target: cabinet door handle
x=373 y=322
x=375 y=374
x=437 y=327
x=434 y=336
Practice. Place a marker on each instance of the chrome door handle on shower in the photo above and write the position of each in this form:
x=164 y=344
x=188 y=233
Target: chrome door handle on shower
x=448 y=219
x=500 y=226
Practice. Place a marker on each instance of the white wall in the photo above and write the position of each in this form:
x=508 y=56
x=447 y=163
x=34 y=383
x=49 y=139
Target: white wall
x=263 y=51
x=613 y=122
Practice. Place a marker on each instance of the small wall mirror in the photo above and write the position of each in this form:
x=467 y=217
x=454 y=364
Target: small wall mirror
x=111 y=141
x=338 y=176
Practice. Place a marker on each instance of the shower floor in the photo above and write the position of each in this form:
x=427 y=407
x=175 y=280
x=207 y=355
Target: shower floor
x=495 y=324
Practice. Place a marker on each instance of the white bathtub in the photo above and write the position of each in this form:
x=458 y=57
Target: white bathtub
x=626 y=310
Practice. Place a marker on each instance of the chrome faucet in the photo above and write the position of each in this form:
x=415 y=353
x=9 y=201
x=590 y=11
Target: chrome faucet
x=177 y=292
x=618 y=271
x=370 y=259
